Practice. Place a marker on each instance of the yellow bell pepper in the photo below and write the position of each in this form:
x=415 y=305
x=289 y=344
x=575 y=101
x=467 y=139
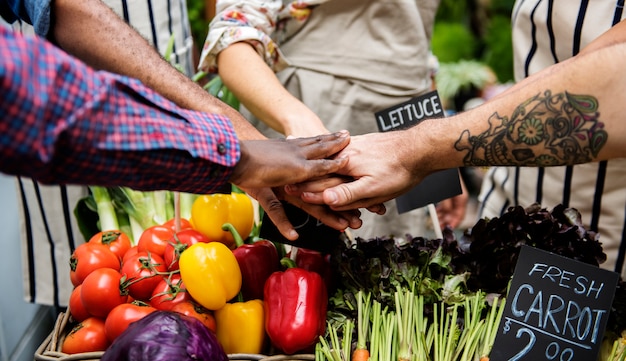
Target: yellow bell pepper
x=210 y=273
x=241 y=327
x=209 y=212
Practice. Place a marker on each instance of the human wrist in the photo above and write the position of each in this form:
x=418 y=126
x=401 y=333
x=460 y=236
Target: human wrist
x=432 y=146
x=302 y=123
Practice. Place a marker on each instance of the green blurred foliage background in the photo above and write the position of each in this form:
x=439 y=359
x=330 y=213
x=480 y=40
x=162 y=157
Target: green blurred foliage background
x=198 y=18
x=475 y=30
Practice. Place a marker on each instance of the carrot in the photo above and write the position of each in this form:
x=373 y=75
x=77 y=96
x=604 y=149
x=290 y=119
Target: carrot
x=360 y=354
x=484 y=358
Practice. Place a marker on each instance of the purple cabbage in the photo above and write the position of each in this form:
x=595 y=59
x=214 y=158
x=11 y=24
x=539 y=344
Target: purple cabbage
x=166 y=336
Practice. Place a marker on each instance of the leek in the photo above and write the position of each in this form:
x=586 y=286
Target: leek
x=161 y=207
x=105 y=209
x=139 y=206
x=405 y=301
x=186 y=202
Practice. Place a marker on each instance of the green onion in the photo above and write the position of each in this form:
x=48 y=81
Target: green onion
x=105 y=208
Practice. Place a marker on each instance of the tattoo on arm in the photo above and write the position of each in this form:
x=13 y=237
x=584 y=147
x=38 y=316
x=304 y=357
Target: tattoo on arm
x=545 y=130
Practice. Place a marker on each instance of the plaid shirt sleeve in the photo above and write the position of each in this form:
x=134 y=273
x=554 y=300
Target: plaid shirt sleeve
x=63 y=122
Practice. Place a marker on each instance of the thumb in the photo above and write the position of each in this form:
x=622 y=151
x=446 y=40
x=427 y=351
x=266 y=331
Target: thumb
x=342 y=194
x=356 y=194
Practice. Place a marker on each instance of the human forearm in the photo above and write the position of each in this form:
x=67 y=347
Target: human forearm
x=256 y=86
x=568 y=114
x=65 y=123
x=79 y=27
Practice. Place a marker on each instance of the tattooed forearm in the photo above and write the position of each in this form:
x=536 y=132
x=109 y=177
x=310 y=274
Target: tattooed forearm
x=545 y=130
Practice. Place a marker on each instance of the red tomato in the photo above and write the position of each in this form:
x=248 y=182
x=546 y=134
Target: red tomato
x=169 y=292
x=103 y=290
x=87 y=336
x=123 y=315
x=184 y=224
x=117 y=241
x=76 y=307
x=132 y=251
x=88 y=257
x=193 y=309
x=180 y=242
x=154 y=239
x=143 y=271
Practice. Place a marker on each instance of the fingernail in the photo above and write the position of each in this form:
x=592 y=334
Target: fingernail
x=291 y=188
x=344 y=133
x=293 y=235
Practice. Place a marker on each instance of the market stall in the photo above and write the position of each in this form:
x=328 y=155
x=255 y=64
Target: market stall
x=248 y=298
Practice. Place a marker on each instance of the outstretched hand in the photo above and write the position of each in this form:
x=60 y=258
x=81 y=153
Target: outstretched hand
x=277 y=162
x=273 y=163
x=378 y=163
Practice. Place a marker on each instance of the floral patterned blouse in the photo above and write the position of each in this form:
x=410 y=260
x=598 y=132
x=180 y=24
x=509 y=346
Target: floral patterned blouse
x=262 y=23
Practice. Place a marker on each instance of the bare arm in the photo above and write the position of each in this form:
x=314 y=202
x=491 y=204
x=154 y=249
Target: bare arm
x=91 y=31
x=256 y=86
x=569 y=113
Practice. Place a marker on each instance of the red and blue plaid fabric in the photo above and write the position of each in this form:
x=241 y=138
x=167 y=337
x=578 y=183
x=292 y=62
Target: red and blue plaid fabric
x=63 y=122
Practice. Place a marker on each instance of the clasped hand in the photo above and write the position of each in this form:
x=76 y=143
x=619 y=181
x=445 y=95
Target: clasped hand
x=329 y=176
x=267 y=165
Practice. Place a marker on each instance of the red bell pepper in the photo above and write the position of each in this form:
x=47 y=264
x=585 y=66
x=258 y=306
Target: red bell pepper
x=257 y=261
x=295 y=309
x=314 y=261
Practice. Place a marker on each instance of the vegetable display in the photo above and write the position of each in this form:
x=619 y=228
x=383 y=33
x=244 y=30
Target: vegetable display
x=373 y=299
x=193 y=283
x=459 y=287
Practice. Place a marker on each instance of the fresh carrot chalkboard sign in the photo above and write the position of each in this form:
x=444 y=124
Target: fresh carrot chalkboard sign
x=557 y=309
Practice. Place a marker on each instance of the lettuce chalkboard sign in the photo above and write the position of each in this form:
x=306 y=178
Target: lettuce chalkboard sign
x=556 y=309
x=437 y=186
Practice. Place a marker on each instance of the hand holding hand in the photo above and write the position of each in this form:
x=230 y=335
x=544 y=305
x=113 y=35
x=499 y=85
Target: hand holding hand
x=276 y=162
x=380 y=166
x=269 y=199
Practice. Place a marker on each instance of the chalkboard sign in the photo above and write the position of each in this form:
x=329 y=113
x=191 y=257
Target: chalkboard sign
x=556 y=309
x=410 y=113
x=437 y=186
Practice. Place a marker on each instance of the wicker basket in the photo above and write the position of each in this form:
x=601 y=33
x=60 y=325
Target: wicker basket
x=50 y=349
